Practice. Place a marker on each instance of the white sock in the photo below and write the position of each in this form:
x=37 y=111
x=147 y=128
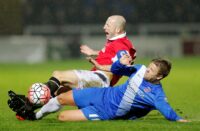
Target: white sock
x=52 y=106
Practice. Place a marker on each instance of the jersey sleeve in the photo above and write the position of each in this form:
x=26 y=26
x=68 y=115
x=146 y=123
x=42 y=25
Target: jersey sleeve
x=119 y=54
x=165 y=109
x=120 y=69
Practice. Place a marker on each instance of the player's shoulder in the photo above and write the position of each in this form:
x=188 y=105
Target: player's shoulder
x=121 y=45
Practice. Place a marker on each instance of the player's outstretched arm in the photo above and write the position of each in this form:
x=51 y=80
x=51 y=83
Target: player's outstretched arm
x=163 y=106
x=98 y=66
x=88 y=51
x=125 y=60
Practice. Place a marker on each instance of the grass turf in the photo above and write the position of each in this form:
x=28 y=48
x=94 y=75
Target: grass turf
x=181 y=87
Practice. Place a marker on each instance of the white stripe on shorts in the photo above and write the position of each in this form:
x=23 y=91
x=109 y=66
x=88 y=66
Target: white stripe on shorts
x=93 y=115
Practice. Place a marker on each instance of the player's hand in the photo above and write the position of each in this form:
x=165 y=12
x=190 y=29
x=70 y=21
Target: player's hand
x=183 y=120
x=93 y=61
x=126 y=59
x=87 y=50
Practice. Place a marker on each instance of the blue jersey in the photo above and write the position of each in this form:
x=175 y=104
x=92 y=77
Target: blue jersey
x=133 y=99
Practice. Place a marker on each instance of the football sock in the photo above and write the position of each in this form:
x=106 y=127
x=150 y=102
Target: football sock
x=52 y=106
x=53 y=85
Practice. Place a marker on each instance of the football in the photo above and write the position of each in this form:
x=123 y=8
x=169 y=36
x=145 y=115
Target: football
x=39 y=94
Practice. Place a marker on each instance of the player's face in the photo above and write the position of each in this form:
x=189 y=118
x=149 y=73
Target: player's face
x=151 y=73
x=110 y=28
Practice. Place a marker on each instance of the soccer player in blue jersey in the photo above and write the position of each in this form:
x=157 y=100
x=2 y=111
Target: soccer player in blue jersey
x=140 y=94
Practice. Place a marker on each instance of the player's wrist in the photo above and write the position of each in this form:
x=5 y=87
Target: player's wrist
x=94 y=53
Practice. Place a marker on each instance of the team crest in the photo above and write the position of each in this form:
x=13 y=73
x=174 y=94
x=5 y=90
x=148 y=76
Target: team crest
x=148 y=89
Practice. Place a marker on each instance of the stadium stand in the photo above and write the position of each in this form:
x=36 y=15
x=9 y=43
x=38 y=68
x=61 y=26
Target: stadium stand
x=58 y=12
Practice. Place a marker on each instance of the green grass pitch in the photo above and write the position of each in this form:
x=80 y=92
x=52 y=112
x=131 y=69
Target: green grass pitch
x=182 y=87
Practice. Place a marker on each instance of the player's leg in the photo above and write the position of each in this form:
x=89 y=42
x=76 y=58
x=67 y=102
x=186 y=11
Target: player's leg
x=56 y=103
x=88 y=78
x=66 y=78
x=80 y=79
x=66 y=98
x=81 y=98
x=72 y=115
x=83 y=114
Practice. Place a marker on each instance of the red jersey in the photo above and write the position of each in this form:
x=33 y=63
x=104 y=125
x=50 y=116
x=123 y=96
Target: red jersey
x=107 y=54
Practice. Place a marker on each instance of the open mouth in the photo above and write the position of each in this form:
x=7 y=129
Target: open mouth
x=106 y=33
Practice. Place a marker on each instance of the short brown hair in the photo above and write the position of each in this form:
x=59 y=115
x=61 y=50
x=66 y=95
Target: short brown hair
x=164 y=66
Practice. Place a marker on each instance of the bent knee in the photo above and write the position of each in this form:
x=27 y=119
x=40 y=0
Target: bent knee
x=62 y=99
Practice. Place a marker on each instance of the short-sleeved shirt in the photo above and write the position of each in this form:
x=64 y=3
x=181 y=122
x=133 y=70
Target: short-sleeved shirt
x=108 y=53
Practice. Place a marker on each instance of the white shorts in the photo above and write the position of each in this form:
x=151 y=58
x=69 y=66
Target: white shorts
x=88 y=78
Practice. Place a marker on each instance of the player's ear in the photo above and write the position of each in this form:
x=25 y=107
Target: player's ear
x=118 y=30
x=159 y=77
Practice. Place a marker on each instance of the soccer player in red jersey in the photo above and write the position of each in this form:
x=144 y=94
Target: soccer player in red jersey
x=117 y=40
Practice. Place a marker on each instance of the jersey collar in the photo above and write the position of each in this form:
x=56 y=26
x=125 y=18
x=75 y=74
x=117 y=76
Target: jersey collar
x=119 y=36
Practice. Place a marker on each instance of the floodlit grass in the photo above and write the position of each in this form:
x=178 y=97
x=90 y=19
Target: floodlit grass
x=182 y=88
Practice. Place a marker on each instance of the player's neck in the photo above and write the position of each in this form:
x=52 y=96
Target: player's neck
x=154 y=81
